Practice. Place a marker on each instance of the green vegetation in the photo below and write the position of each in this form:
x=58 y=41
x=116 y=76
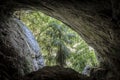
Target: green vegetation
x=59 y=44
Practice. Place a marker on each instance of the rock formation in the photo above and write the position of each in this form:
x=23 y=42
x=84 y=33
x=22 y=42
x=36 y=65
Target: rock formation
x=97 y=21
x=55 y=73
x=19 y=51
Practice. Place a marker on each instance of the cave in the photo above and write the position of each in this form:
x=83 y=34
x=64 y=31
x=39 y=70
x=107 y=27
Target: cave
x=97 y=21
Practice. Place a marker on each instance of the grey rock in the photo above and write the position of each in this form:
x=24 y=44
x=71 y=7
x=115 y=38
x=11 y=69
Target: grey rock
x=86 y=70
x=19 y=51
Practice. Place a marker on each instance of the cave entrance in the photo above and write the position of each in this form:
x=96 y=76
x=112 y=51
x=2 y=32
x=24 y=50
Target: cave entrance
x=60 y=45
x=96 y=21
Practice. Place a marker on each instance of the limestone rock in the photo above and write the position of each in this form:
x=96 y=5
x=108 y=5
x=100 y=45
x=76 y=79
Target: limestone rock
x=86 y=70
x=19 y=51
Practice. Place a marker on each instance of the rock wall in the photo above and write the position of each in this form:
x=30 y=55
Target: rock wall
x=97 y=21
x=19 y=51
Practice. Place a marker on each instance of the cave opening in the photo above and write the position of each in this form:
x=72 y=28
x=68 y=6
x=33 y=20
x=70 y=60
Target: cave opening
x=76 y=54
x=97 y=21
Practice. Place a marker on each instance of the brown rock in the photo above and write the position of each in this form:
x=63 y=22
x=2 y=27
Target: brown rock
x=55 y=73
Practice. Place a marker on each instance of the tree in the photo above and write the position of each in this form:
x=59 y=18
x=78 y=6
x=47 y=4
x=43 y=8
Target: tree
x=60 y=45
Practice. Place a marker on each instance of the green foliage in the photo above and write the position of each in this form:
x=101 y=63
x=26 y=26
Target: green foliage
x=59 y=44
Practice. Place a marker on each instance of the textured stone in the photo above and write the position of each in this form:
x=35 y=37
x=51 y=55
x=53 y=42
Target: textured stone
x=97 y=21
x=86 y=70
x=55 y=73
x=19 y=51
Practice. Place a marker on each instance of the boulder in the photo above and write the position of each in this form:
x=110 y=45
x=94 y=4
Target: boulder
x=55 y=73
